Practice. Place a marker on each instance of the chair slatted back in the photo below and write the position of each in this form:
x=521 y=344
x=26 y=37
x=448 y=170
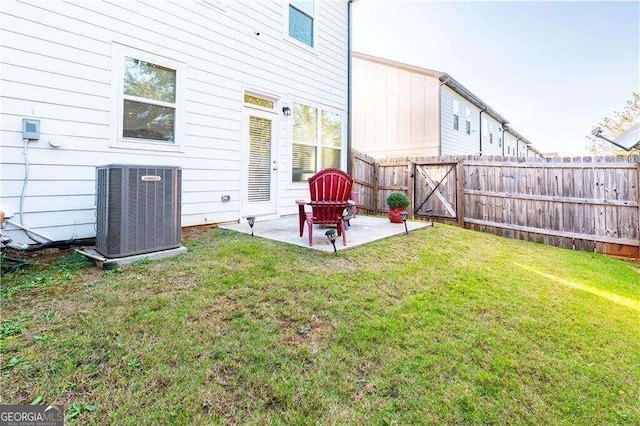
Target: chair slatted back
x=330 y=185
x=330 y=190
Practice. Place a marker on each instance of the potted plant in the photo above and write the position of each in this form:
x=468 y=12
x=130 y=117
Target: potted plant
x=397 y=202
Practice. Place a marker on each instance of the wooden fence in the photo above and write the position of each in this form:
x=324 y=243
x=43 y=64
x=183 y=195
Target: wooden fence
x=585 y=203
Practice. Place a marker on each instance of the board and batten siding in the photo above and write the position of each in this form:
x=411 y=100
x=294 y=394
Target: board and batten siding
x=458 y=142
x=57 y=67
x=395 y=111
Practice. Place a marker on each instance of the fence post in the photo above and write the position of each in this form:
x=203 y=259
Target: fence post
x=411 y=187
x=460 y=193
x=376 y=196
x=638 y=196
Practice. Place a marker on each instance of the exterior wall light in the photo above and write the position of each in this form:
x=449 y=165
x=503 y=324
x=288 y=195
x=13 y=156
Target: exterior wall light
x=286 y=111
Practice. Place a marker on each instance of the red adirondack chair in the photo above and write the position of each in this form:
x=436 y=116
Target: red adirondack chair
x=330 y=190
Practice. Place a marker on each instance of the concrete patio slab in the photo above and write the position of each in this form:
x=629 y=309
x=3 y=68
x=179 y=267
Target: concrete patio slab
x=363 y=229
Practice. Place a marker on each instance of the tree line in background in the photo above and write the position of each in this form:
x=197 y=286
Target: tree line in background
x=614 y=126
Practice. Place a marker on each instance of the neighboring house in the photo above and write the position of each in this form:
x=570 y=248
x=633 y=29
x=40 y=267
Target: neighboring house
x=206 y=85
x=403 y=110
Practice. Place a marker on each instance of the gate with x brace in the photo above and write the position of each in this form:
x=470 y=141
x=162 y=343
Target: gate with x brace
x=436 y=190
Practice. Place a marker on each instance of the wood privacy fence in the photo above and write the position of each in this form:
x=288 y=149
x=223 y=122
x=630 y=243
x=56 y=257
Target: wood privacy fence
x=585 y=203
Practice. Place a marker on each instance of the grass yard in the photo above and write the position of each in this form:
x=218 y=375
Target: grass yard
x=444 y=326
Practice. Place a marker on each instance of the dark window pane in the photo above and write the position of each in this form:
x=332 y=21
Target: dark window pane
x=149 y=81
x=330 y=158
x=300 y=26
x=468 y=127
x=304 y=162
x=455 y=122
x=144 y=121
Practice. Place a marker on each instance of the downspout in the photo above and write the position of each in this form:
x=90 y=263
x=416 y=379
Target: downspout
x=505 y=128
x=480 y=128
x=440 y=114
x=349 y=85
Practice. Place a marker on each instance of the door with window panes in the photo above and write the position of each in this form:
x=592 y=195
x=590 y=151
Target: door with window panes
x=260 y=160
x=317 y=141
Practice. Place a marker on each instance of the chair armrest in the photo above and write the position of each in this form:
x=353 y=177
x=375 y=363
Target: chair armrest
x=301 y=202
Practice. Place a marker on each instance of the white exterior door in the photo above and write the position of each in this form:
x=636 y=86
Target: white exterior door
x=260 y=164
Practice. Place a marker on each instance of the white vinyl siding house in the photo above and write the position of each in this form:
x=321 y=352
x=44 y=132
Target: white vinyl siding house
x=491 y=141
x=64 y=63
x=458 y=142
x=403 y=110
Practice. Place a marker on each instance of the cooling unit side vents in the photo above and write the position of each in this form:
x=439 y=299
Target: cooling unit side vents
x=138 y=209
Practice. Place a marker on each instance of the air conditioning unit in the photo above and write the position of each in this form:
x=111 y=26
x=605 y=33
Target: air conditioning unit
x=138 y=209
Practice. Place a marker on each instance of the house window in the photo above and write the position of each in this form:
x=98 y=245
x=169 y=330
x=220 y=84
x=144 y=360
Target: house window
x=500 y=142
x=146 y=99
x=149 y=101
x=490 y=132
x=259 y=101
x=456 y=119
x=301 y=21
x=508 y=150
x=468 y=120
x=317 y=141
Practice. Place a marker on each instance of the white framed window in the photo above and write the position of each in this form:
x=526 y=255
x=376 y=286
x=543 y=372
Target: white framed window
x=254 y=100
x=317 y=141
x=456 y=117
x=147 y=92
x=490 y=132
x=467 y=112
x=301 y=22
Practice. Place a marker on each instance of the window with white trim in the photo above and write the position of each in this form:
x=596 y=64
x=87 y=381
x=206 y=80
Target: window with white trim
x=316 y=141
x=148 y=93
x=302 y=21
x=467 y=120
x=456 y=119
x=490 y=132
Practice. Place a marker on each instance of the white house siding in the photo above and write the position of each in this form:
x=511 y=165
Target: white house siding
x=509 y=144
x=395 y=110
x=458 y=142
x=57 y=67
x=522 y=149
x=494 y=148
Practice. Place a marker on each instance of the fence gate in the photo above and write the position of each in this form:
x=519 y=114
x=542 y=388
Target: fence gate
x=435 y=190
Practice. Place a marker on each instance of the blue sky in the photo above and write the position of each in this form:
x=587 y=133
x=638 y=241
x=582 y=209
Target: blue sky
x=553 y=69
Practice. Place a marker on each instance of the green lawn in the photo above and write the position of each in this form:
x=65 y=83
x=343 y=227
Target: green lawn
x=443 y=326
